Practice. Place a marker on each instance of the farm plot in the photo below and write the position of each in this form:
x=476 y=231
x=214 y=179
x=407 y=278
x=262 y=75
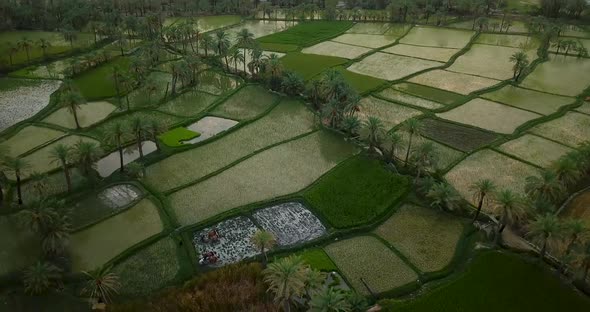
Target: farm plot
x=96 y=83
x=142 y=97
x=454 y=82
x=19 y=246
x=318 y=259
x=309 y=65
x=508 y=27
x=88 y=114
x=488 y=61
x=54 y=70
x=287 y=120
x=361 y=83
x=369 y=28
x=514 y=41
x=534 y=149
x=336 y=49
x=356 y=193
x=585 y=108
x=401 y=97
x=461 y=137
x=275 y=172
x=207 y=23
x=216 y=83
x=53 y=184
x=234 y=242
x=104 y=203
x=366 y=258
x=40 y=160
x=150 y=269
x=505 y=172
x=209 y=127
x=437 y=37
x=23 y=99
x=391 y=67
x=308 y=33
x=390 y=114
x=188 y=104
x=291 y=223
x=571 y=129
x=248 y=103
x=28 y=138
x=539 y=102
x=489 y=115
x=146 y=116
x=110 y=163
x=98 y=244
x=261 y=28
x=445 y=155
x=429 y=53
x=365 y=40
x=427 y=237
x=433 y=94
x=549 y=76
x=177 y=136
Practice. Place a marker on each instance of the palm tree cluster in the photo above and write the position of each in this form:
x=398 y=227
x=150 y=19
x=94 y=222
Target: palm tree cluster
x=567 y=45
x=295 y=284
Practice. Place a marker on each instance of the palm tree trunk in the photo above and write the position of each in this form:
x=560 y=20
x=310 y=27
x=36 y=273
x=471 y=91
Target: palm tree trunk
x=264 y=258
x=245 y=61
x=67 y=175
x=479 y=205
x=18 y=189
x=1 y=196
x=586 y=269
x=408 y=151
x=570 y=245
x=544 y=248
x=120 y=148
x=139 y=147
x=287 y=306
x=75 y=113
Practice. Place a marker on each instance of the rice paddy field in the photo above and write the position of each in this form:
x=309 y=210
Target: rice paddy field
x=505 y=172
x=100 y=243
x=379 y=65
x=382 y=271
x=571 y=129
x=454 y=82
x=427 y=237
x=489 y=115
x=535 y=149
x=389 y=113
x=531 y=100
x=233 y=156
x=279 y=171
x=548 y=76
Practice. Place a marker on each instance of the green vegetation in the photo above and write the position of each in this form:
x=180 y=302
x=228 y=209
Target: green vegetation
x=460 y=137
x=361 y=83
x=429 y=93
x=98 y=83
x=88 y=114
x=309 y=65
x=249 y=102
x=318 y=259
x=356 y=193
x=307 y=33
x=516 y=284
x=539 y=102
x=190 y=103
x=176 y=136
x=19 y=245
x=28 y=138
x=278 y=47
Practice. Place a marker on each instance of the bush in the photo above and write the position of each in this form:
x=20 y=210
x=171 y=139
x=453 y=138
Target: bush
x=356 y=193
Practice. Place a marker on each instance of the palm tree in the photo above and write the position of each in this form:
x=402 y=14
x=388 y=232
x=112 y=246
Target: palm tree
x=16 y=166
x=521 y=61
x=481 y=189
x=351 y=125
x=60 y=154
x=206 y=43
x=329 y=299
x=293 y=83
x=38 y=216
x=245 y=39
x=393 y=139
x=151 y=86
x=274 y=66
x=585 y=260
x=40 y=277
x=286 y=279
x=138 y=128
x=223 y=44
x=56 y=235
x=264 y=241
x=101 y=284
x=44 y=44
x=414 y=127
x=443 y=196
x=115 y=135
x=576 y=229
x=155 y=128
x=314 y=282
x=38 y=181
x=567 y=170
x=12 y=49
x=71 y=99
x=373 y=131
x=547 y=186
x=85 y=154
x=3 y=152
x=423 y=157
x=26 y=44
x=544 y=228
x=509 y=206
x=235 y=57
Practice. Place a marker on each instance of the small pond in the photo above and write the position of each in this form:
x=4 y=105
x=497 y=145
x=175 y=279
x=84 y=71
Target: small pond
x=109 y=164
x=208 y=127
x=104 y=203
x=291 y=223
